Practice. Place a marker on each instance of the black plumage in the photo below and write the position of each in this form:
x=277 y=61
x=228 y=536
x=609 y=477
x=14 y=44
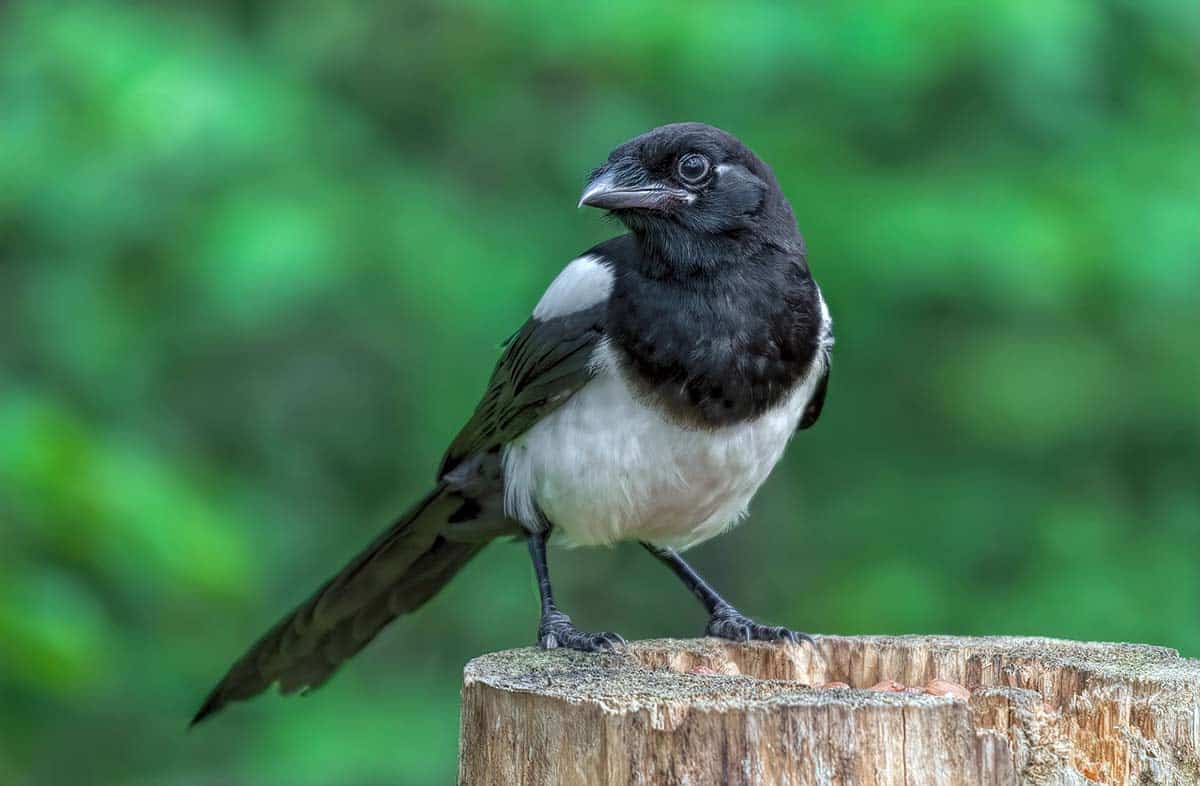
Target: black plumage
x=723 y=349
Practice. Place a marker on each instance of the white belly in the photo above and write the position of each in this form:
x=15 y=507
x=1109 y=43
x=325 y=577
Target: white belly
x=606 y=467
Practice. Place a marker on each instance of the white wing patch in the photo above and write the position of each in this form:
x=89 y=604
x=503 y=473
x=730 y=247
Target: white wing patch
x=582 y=284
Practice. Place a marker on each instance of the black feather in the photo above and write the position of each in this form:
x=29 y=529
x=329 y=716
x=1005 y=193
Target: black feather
x=399 y=571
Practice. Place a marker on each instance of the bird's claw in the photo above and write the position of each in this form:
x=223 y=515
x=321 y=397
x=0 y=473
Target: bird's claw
x=735 y=626
x=556 y=630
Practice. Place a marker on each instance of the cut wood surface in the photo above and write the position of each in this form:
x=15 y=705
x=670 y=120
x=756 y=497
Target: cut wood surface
x=1038 y=712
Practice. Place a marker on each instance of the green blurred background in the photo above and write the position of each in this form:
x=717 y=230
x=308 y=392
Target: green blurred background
x=256 y=260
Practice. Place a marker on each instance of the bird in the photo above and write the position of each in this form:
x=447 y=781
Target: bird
x=647 y=397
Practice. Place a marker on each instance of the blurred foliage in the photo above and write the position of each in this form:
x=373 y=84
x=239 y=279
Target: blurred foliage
x=256 y=260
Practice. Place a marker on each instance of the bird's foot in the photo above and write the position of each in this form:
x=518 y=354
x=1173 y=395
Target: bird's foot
x=556 y=630
x=729 y=623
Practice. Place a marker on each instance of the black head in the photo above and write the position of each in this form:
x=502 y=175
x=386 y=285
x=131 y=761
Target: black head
x=694 y=194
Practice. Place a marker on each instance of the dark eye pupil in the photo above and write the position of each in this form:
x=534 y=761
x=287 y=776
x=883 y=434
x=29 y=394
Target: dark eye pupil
x=693 y=167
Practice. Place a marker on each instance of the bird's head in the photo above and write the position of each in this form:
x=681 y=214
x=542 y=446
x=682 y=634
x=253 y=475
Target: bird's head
x=691 y=185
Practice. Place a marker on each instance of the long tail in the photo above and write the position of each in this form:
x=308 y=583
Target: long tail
x=401 y=570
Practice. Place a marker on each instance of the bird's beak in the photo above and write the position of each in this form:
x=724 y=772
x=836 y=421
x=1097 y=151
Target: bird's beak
x=607 y=191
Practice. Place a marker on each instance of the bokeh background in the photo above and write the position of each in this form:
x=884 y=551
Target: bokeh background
x=256 y=260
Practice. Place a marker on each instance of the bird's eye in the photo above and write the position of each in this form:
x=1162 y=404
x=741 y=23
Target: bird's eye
x=693 y=168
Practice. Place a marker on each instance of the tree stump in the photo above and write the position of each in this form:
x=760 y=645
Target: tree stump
x=1039 y=712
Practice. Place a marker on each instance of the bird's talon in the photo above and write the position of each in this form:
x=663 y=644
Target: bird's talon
x=610 y=642
x=731 y=625
x=557 y=631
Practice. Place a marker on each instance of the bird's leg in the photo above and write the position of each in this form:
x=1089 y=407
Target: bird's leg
x=555 y=628
x=724 y=621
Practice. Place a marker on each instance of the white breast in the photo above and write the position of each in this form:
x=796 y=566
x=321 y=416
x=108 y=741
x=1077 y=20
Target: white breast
x=607 y=467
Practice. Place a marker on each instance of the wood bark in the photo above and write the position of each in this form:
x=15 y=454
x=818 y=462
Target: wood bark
x=1041 y=712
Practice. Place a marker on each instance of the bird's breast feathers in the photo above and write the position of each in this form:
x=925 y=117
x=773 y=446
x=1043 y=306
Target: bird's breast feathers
x=611 y=464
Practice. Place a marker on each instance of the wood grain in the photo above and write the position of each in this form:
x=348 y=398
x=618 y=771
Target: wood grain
x=1041 y=712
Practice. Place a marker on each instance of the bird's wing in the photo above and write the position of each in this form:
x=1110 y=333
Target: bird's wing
x=543 y=364
x=812 y=410
x=816 y=402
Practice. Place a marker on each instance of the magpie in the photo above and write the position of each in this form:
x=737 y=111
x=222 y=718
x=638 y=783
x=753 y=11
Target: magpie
x=647 y=398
